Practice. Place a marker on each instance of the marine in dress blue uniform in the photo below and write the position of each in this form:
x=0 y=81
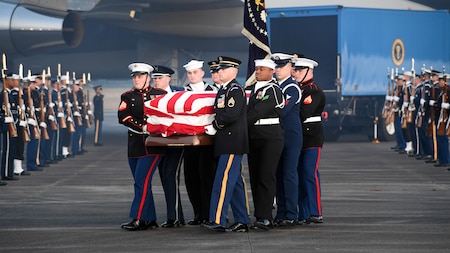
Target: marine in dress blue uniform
x=231 y=143
x=31 y=96
x=143 y=160
x=287 y=175
x=312 y=104
x=169 y=167
x=441 y=122
x=266 y=140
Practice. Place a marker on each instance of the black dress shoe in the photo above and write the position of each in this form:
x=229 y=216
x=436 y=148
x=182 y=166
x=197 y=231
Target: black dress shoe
x=195 y=222
x=2 y=183
x=44 y=165
x=135 y=225
x=214 y=226
x=315 y=219
x=238 y=227
x=35 y=169
x=286 y=223
x=431 y=161
x=395 y=147
x=10 y=178
x=23 y=173
x=172 y=224
x=301 y=222
x=265 y=224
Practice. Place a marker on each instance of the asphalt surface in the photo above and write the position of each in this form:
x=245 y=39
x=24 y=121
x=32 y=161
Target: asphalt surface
x=374 y=200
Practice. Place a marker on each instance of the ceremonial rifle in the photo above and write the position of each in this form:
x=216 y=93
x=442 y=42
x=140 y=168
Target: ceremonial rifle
x=44 y=131
x=87 y=103
x=412 y=106
x=421 y=112
x=31 y=114
x=387 y=102
x=76 y=110
x=22 y=116
x=6 y=106
x=61 y=116
x=50 y=104
x=68 y=109
x=393 y=107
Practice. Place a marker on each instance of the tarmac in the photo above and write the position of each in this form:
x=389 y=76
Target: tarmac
x=374 y=200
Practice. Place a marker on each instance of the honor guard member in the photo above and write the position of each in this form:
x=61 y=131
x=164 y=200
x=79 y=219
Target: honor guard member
x=31 y=96
x=143 y=160
x=66 y=108
x=415 y=103
x=441 y=123
x=9 y=141
x=214 y=73
x=21 y=126
x=433 y=113
x=230 y=144
x=287 y=175
x=169 y=167
x=312 y=104
x=80 y=127
x=266 y=138
x=397 y=103
x=98 y=114
x=60 y=119
x=84 y=116
x=411 y=109
x=199 y=162
x=402 y=115
x=45 y=145
x=423 y=116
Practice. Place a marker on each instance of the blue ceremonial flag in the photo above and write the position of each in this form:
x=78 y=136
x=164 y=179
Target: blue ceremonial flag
x=255 y=30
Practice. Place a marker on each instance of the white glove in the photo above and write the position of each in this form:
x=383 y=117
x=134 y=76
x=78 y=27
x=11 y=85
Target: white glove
x=405 y=104
x=411 y=98
x=23 y=123
x=422 y=101
x=90 y=112
x=445 y=105
x=144 y=129
x=69 y=119
x=60 y=104
x=76 y=114
x=32 y=122
x=210 y=130
x=86 y=117
x=432 y=102
x=52 y=104
x=389 y=98
x=23 y=108
x=396 y=99
x=9 y=119
x=51 y=117
x=70 y=104
x=43 y=125
x=60 y=115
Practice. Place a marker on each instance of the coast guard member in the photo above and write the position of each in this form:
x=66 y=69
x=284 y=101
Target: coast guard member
x=312 y=104
x=230 y=144
x=143 y=160
x=287 y=175
x=169 y=167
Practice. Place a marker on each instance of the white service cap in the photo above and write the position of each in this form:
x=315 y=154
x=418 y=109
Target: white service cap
x=407 y=73
x=265 y=63
x=305 y=62
x=139 y=67
x=193 y=64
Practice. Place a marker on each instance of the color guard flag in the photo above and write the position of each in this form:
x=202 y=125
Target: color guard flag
x=255 y=30
x=183 y=112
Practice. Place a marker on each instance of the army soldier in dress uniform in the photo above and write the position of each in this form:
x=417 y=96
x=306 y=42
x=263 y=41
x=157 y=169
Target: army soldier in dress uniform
x=287 y=175
x=231 y=143
x=199 y=162
x=143 y=160
x=312 y=104
x=266 y=139
x=98 y=115
x=169 y=167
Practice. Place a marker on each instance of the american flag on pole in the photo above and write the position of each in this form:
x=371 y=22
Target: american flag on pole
x=183 y=112
x=255 y=30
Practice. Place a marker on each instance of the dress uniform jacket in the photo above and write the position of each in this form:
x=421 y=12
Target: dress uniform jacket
x=312 y=105
x=131 y=114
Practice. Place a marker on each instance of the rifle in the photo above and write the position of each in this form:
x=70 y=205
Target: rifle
x=68 y=109
x=431 y=120
x=51 y=112
x=75 y=104
x=421 y=112
x=62 y=119
x=6 y=106
x=412 y=106
x=87 y=104
x=31 y=115
x=393 y=107
x=443 y=117
x=21 y=110
x=387 y=102
x=44 y=132
x=405 y=113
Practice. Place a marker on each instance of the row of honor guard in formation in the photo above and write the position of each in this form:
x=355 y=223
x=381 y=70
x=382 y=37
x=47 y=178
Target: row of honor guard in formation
x=279 y=128
x=417 y=104
x=44 y=121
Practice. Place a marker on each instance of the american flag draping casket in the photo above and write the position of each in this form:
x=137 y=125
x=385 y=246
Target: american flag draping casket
x=183 y=112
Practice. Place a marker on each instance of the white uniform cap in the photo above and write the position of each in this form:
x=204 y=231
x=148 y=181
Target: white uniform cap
x=32 y=79
x=265 y=63
x=65 y=77
x=281 y=56
x=138 y=67
x=305 y=62
x=407 y=73
x=193 y=64
x=14 y=77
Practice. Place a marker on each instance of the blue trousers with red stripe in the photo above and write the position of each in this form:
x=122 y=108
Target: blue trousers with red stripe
x=309 y=200
x=229 y=188
x=142 y=169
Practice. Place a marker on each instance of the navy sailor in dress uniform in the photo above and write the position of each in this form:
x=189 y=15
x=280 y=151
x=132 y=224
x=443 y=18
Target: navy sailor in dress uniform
x=143 y=160
x=169 y=167
x=287 y=175
x=312 y=104
x=230 y=144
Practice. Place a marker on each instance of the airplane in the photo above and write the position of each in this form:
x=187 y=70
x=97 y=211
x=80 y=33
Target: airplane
x=103 y=36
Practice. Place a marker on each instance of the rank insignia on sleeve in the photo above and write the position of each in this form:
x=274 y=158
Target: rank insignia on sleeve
x=231 y=102
x=122 y=106
x=308 y=100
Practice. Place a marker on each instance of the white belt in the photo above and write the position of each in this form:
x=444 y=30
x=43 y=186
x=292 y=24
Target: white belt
x=268 y=121
x=134 y=131
x=313 y=119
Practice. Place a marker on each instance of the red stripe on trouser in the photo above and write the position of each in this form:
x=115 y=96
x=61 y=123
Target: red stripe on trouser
x=316 y=169
x=144 y=193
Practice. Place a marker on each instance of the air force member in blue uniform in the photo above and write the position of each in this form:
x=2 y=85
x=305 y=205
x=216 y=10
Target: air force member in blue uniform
x=143 y=160
x=169 y=167
x=312 y=104
x=231 y=143
x=287 y=175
